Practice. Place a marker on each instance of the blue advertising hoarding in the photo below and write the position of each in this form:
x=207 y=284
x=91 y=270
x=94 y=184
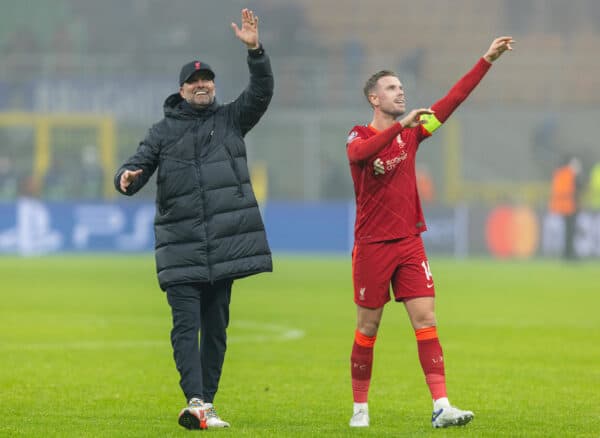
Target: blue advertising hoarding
x=33 y=227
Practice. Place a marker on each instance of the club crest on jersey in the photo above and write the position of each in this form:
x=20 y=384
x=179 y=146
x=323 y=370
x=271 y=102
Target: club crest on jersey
x=352 y=137
x=400 y=141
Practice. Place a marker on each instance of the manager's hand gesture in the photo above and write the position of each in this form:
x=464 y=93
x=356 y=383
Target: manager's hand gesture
x=127 y=177
x=248 y=34
x=498 y=47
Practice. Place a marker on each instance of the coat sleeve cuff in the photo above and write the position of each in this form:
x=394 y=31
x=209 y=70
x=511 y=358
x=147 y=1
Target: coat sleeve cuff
x=255 y=53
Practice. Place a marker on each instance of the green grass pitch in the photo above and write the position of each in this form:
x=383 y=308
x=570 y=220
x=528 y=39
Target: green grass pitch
x=84 y=351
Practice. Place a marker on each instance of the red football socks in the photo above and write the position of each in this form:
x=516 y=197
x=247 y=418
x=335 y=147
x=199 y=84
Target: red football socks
x=432 y=361
x=361 y=362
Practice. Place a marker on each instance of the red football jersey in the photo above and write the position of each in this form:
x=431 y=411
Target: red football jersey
x=388 y=205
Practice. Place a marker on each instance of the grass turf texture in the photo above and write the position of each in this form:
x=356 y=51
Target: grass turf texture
x=84 y=351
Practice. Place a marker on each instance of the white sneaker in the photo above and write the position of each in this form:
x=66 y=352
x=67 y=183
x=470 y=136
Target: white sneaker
x=450 y=416
x=360 y=418
x=194 y=415
x=213 y=419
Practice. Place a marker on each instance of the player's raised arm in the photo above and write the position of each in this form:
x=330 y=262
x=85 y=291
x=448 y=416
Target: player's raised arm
x=498 y=47
x=460 y=91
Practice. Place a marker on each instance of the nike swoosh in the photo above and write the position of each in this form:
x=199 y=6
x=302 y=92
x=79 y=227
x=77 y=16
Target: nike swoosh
x=429 y=285
x=436 y=414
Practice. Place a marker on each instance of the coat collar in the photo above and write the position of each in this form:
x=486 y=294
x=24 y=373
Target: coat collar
x=176 y=107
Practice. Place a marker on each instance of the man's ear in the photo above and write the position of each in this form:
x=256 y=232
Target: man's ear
x=181 y=91
x=374 y=100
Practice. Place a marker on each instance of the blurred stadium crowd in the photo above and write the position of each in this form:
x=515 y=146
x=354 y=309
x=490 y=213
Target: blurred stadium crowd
x=120 y=58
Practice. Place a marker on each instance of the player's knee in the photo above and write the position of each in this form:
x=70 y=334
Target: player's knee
x=369 y=328
x=424 y=321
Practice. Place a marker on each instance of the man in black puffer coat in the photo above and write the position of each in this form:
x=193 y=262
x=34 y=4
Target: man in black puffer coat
x=208 y=227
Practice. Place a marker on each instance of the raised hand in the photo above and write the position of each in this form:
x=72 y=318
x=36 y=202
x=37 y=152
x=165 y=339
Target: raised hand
x=248 y=34
x=412 y=119
x=128 y=177
x=498 y=47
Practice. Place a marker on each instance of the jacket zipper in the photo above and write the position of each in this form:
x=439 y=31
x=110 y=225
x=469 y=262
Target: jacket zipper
x=201 y=187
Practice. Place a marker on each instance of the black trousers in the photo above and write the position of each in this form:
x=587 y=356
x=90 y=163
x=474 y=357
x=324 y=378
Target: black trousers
x=204 y=308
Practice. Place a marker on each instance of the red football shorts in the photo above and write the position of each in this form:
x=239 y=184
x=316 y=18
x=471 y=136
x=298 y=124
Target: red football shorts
x=401 y=263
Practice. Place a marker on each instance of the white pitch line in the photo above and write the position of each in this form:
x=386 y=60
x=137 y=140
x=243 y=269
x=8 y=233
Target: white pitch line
x=267 y=333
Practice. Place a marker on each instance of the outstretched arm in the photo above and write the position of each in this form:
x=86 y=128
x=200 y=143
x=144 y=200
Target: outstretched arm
x=460 y=91
x=498 y=47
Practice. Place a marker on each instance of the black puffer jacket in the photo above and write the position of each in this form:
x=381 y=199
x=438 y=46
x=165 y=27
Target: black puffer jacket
x=207 y=225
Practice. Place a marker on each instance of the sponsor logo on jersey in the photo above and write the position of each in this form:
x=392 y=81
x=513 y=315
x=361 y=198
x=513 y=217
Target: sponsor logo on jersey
x=402 y=155
x=391 y=164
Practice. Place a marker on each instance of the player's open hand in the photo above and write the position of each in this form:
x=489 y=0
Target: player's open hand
x=413 y=118
x=128 y=177
x=378 y=167
x=248 y=34
x=498 y=47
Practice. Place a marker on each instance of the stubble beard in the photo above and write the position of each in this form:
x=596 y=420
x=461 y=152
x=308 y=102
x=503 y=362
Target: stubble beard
x=190 y=100
x=394 y=113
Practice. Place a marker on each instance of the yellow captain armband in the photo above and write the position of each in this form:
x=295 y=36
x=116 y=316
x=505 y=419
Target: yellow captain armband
x=431 y=123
